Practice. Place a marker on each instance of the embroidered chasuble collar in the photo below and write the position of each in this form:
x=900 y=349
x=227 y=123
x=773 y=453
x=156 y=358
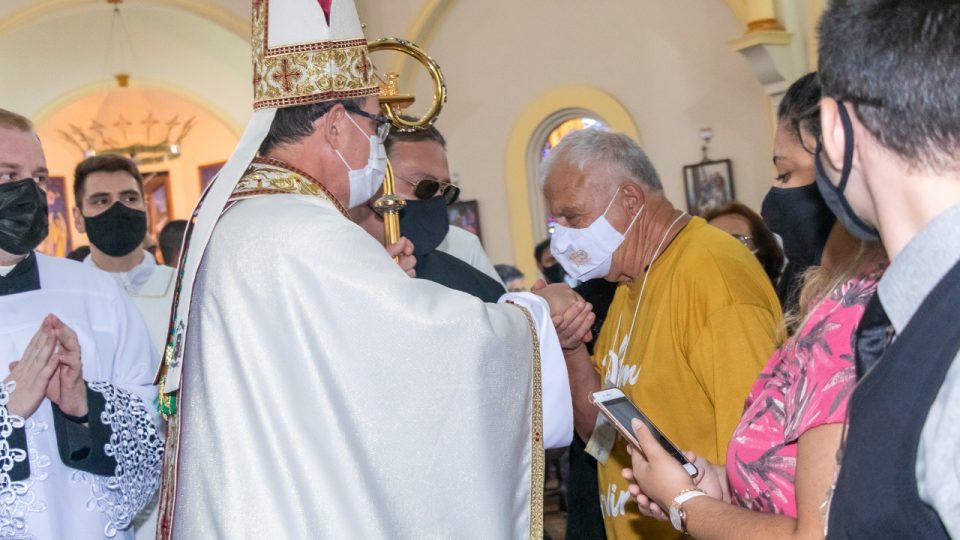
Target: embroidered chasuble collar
x=24 y=277
x=268 y=176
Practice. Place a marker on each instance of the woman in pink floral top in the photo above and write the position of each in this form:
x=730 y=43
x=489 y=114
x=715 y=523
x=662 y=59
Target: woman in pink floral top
x=781 y=460
x=806 y=384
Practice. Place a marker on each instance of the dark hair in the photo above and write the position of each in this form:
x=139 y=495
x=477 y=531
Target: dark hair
x=800 y=109
x=508 y=273
x=541 y=247
x=103 y=163
x=429 y=133
x=171 y=239
x=896 y=63
x=769 y=252
x=290 y=124
x=79 y=254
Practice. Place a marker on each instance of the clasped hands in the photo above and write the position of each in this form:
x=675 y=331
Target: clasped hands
x=50 y=367
x=571 y=315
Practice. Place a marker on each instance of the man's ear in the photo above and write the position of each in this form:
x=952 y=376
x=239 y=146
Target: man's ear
x=332 y=126
x=831 y=130
x=633 y=197
x=78 y=220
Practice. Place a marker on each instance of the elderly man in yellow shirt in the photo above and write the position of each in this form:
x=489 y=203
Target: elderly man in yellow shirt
x=691 y=325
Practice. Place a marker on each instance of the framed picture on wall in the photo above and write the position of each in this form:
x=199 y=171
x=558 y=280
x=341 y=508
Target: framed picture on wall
x=207 y=173
x=709 y=185
x=466 y=215
x=57 y=243
x=157 y=188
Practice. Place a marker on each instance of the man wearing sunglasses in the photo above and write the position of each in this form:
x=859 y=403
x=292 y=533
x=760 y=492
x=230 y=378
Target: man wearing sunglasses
x=445 y=254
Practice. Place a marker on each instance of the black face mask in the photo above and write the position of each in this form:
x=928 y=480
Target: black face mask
x=23 y=216
x=833 y=195
x=801 y=217
x=554 y=274
x=425 y=223
x=118 y=231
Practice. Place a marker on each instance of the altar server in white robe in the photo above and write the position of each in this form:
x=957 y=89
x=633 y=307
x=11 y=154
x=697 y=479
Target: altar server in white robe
x=313 y=389
x=80 y=451
x=111 y=210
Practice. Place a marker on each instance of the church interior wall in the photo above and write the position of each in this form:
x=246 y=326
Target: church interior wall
x=669 y=64
x=210 y=141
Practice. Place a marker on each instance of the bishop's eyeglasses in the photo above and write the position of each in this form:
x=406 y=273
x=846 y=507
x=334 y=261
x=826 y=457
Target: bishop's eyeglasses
x=382 y=122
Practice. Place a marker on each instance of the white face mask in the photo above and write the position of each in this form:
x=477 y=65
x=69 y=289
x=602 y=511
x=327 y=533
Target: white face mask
x=587 y=253
x=365 y=182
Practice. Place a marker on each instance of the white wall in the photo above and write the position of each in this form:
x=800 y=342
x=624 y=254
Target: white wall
x=667 y=62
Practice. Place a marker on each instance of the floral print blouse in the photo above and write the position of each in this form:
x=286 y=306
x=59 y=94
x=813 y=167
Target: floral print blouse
x=806 y=383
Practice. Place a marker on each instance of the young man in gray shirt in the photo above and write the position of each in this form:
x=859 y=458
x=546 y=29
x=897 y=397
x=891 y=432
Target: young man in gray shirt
x=889 y=167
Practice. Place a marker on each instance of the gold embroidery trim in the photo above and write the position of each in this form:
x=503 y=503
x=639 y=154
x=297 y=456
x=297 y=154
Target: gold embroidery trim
x=269 y=177
x=168 y=484
x=537 y=461
x=310 y=73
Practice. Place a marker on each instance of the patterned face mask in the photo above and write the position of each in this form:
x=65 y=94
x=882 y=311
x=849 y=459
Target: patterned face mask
x=587 y=253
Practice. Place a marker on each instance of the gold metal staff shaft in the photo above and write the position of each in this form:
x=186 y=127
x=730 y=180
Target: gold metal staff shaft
x=392 y=104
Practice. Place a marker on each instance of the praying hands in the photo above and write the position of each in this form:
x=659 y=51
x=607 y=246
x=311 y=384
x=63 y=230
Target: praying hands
x=49 y=368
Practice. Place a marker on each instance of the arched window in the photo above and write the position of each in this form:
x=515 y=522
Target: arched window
x=545 y=139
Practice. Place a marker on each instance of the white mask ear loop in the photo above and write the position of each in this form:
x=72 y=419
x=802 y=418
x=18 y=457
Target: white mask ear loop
x=347 y=165
x=635 y=216
x=646 y=274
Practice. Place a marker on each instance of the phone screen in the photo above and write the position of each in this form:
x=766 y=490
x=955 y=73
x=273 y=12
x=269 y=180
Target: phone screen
x=625 y=411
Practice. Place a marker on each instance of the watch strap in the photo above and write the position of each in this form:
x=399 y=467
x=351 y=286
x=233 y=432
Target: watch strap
x=677 y=505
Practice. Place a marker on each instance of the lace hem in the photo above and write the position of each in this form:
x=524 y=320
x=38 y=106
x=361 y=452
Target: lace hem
x=137 y=448
x=16 y=498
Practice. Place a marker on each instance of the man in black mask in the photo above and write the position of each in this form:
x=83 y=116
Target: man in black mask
x=547 y=265
x=445 y=254
x=111 y=210
x=77 y=373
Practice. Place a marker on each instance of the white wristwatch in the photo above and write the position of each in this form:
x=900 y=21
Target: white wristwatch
x=678 y=516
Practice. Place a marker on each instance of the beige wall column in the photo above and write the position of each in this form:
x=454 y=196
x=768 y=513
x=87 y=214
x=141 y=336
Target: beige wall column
x=777 y=56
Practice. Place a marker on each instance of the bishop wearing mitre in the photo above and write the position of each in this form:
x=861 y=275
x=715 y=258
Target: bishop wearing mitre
x=313 y=389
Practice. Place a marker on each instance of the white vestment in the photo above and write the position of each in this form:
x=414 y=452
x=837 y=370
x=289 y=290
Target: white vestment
x=151 y=287
x=465 y=246
x=325 y=394
x=57 y=501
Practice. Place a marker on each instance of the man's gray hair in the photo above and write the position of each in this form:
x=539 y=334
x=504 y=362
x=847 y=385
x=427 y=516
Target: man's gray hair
x=601 y=146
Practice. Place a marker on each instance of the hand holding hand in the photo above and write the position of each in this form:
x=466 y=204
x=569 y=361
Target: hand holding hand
x=574 y=327
x=67 y=388
x=402 y=251
x=558 y=295
x=33 y=372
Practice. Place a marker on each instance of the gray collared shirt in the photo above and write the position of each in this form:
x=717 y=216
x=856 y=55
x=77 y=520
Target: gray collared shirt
x=907 y=282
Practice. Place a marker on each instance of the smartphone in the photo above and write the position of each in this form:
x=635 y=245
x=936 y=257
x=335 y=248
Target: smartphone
x=621 y=412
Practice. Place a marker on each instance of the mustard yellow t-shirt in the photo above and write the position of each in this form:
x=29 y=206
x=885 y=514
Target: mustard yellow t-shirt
x=707 y=323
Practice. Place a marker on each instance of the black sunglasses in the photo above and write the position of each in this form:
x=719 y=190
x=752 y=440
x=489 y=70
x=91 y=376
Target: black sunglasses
x=426 y=188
